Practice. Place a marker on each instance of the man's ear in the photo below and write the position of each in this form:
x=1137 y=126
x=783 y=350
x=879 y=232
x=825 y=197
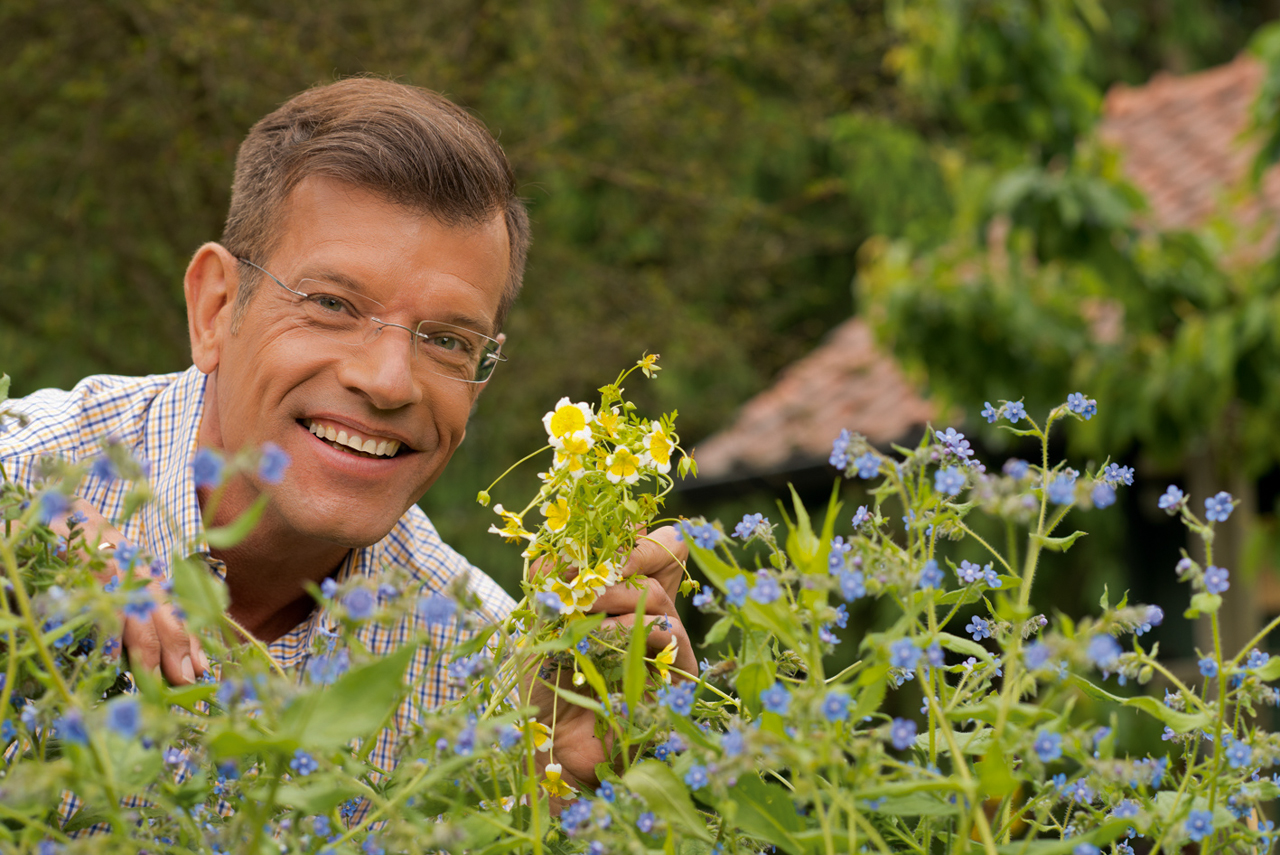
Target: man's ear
x=210 y=287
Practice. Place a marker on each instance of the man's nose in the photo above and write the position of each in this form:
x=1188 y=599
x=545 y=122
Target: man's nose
x=382 y=370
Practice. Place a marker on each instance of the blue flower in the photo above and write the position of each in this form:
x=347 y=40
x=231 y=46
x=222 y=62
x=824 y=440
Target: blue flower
x=1218 y=508
x=8 y=732
x=436 y=609
x=320 y=825
x=989 y=412
x=835 y=706
x=1062 y=491
x=605 y=791
x=776 y=699
x=934 y=656
x=140 y=605
x=732 y=743
x=123 y=717
x=703 y=599
x=735 y=591
x=1171 y=500
x=103 y=469
x=1209 y=667
x=949 y=480
x=978 y=628
x=902 y=733
x=707 y=536
x=842 y=615
x=1034 y=655
x=968 y=572
x=70 y=727
x=1257 y=658
x=1104 y=651
x=852 y=585
x=839 y=450
x=325 y=669
x=371 y=846
x=273 y=463
x=548 y=603
x=1216 y=579
x=1085 y=848
x=750 y=522
x=206 y=468
x=645 y=822
x=1014 y=411
x=677 y=698
x=1115 y=475
x=930 y=574
x=1154 y=617
x=766 y=589
x=1078 y=791
x=578 y=812
x=1016 y=468
x=1199 y=824
x=466 y=742
x=861 y=516
x=868 y=465
x=696 y=777
x=1239 y=753
x=903 y=653
x=1103 y=495
x=328 y=588
x=1082 y=406
x=53 y=506
x=1048 y=746
x=360 y=603
x=304 y=764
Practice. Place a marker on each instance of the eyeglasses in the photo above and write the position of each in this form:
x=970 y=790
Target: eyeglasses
x=342 y=315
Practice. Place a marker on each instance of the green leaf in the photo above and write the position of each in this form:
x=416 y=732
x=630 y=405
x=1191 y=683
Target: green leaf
x=666 y=796
x=763 y=810
x=720 y=630
x=1058 y=544
x=977 y=742
x=231 y=534
x=1181 y=722
x=320 y=797
x=578 y=700
x=918 y=804
x=963 y=645
x=355 y=706
x=1270 y=671
x=993 y=772
x=636 y=674
x=200 y=594
x=803 y=545
x=753 y=678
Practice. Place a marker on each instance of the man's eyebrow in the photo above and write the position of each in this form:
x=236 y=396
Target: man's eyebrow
x=458 y=319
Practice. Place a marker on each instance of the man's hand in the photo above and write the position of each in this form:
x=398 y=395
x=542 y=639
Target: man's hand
x=160 y=640
x=658 y=559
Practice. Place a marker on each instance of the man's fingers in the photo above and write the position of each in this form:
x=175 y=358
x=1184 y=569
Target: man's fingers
x=660 y=637
x=659 y=554
x=621 y=599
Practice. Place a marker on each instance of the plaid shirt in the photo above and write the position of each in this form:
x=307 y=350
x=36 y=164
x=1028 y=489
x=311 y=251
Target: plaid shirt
x=158 y=418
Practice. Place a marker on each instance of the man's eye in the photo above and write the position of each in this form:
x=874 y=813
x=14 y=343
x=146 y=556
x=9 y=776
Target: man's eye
x=330 y=303
x=444 y=341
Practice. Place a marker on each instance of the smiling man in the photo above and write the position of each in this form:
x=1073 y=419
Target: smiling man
x=350 y=316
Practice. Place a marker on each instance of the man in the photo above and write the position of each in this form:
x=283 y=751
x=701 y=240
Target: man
x=350 y=316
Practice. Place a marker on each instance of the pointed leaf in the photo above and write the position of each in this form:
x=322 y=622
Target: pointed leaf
x=666 y=796
x=231 y=534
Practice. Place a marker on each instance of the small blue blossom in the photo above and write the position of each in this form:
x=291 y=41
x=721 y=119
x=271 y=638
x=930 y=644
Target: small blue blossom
x=173 y=756
x=360 y=603
x=328 y=588
x=1199 y=824
x=696 y=777
x=902 y=733
x=835 y=706
x=852 y=585
x=840 y=450
x=1257 y=658
x=140 y=605
x=1103 y=495
x=1048 y=746
x=968 y=572
x=548 y=603
x=1035 y=655
x=325 y=668
x=1082 y=406
x=1154 y=617
x=842 y=615
x=732 y=743
x=1062 y=490
x=123 y=717
x=861 y=516
x=1016 y=468
x=776 y=699
x=930 y=574
x=934 y=656
x=304 y=764
x=606 y=792
x=466 y=742
x=989 y=412
x=735 y=591
x=578 y=812
x=903 y=653
x=70 y=727
x=868 y=465
x=436 y=609
x=645 y=822
x=1115 y=475
x=703 y=599
x=706 y=536
x=1085 y=848
x=1239 y=753
x=750 y=523
x=1104 y=651
x=8 y=732
x=978 y=628
x=53 y=506
x=949 y=480
x=207 y=468
x=839 y=549
x=1209 y=667
x=1218 y=508
x=1171 y=500
x=766 y=589
x=1078 y=791
x=103 y=469
x=273 y=463
x=677 y=698
x=1014 y=411
x=1216 y=579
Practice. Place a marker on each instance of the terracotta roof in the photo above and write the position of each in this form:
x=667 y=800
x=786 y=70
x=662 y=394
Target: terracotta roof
x=847 y=382
x=1181 y=141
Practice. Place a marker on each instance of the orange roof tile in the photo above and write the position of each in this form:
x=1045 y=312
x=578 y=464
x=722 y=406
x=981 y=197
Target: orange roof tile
x=847 y=382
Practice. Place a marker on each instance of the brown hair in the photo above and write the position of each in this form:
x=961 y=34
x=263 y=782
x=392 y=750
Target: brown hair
x=410 y=145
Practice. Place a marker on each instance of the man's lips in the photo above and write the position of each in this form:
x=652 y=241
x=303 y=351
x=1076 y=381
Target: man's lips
x=352 y=440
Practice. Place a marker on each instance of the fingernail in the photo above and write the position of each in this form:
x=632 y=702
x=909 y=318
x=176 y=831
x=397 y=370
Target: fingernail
x=188 y=673
x=204 y=661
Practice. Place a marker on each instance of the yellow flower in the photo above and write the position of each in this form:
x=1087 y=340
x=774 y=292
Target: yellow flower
x=649 y=365
x=610 y=421
x=622 y=466
x=513 y=529
x=575 y=444
x=568 y=420
x=554 y=784
x=657 y=449
x=571 y=463
x=666 y=658
x=540 y=732
x=557 y=514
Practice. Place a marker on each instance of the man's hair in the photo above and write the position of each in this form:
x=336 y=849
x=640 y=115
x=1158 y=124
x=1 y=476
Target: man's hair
x=411 y=146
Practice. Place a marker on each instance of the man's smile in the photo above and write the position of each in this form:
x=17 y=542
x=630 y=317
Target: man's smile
x=347 y=439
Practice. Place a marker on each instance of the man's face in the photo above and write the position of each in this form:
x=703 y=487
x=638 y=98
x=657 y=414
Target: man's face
x=279 y=381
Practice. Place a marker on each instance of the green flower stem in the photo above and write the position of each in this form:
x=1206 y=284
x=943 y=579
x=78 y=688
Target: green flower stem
x=962 y=768
x=995 y=552
x=29 y=620
x=1172 y=678
x=1217 y=721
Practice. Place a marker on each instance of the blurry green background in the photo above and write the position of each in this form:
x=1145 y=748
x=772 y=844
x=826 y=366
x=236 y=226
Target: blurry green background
x=701 y=177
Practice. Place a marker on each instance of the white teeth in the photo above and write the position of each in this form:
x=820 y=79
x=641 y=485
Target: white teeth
x=384 y=448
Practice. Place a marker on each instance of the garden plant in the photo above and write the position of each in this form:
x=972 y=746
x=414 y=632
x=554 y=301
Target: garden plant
x=962 y=726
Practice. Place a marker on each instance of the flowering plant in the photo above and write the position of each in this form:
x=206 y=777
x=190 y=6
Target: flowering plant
x=763 y=748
